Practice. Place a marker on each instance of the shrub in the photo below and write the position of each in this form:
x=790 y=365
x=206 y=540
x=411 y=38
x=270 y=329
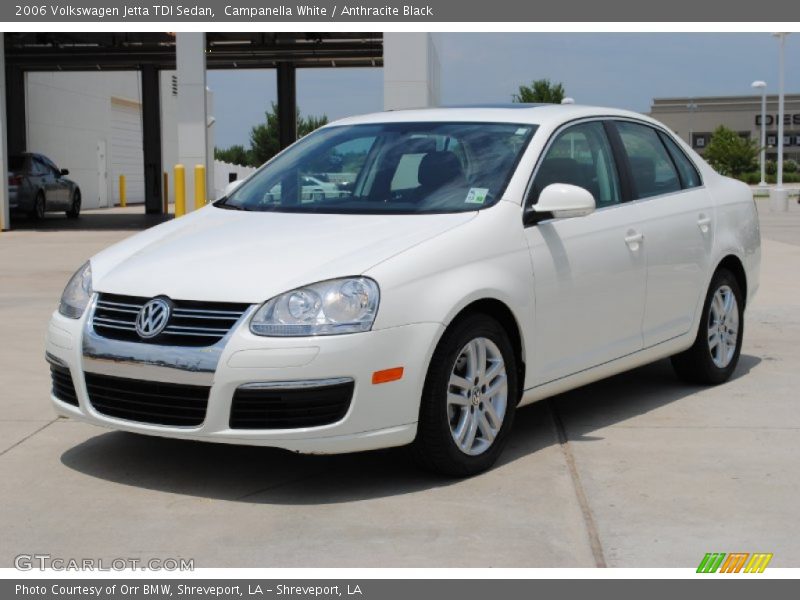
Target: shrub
x=729 y=153
x=771 y=167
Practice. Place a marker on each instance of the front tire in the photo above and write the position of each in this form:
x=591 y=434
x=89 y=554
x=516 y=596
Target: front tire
x=39 y=208
x=469 y=399
x=713 y=357
x=75 y=208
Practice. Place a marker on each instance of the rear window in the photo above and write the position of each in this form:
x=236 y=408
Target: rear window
x=651 y=166
x=690 y=178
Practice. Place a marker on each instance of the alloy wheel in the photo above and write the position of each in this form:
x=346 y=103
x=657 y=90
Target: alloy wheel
x=477 y=396
x=723 y=326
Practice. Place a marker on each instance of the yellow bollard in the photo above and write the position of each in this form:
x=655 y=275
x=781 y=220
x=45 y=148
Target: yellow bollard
x=123 y=201
x=166 y=193
x=180 y=190
x=199 y=186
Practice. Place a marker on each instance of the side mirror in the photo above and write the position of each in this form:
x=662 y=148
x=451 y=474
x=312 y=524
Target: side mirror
x=64 y=172
x=232 y=186
x=564 y=201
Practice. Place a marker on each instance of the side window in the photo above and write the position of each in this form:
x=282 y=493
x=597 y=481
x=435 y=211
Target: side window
x=37 y=167
x=690 y=178
x=580 y=155
x=651 y=166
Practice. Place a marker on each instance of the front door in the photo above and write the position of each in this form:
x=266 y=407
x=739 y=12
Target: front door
x=589 y=272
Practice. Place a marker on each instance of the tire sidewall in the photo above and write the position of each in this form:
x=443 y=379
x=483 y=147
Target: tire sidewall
x=715 y=373
x=75 y=206
x=39 y=206
x=437 y=384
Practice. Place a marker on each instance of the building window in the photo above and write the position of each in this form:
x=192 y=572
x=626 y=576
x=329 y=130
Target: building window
x=772 y=140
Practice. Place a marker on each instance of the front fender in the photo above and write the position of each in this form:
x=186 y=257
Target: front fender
x=485 y=258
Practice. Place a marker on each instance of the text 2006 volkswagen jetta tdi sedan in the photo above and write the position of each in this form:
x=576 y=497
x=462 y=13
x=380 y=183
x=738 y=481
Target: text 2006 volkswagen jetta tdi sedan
x=473 y=261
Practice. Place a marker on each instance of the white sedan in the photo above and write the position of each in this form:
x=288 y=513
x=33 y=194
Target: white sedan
x=479 y=260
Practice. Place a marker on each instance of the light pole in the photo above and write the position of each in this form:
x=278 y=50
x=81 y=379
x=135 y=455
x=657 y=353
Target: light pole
x=778 y=197
x=691 y=107
x=762 y=85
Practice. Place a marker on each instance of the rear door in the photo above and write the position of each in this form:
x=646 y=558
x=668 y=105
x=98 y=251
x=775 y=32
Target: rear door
x=589 y=272
x=678 y=229
x=41 y=179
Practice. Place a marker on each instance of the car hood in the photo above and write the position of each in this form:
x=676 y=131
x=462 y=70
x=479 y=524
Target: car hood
x=235 y=256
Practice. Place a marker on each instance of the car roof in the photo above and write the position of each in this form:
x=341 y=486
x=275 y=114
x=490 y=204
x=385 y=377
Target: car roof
x=534 y=114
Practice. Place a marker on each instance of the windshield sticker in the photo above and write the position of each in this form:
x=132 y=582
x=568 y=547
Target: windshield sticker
x=476 y=195
x=521 y=131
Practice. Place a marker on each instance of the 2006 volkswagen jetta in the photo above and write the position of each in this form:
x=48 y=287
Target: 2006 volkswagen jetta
x=473 y=260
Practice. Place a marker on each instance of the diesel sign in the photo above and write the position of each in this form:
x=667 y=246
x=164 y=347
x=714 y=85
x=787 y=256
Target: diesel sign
x=773 y=119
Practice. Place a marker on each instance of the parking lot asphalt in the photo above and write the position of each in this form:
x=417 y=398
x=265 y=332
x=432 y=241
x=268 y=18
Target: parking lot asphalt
x=639 y=470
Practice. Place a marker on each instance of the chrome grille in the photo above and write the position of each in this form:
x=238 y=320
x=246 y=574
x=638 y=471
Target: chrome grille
x=192 y=323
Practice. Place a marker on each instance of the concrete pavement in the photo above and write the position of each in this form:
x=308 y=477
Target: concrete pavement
x=637 y=470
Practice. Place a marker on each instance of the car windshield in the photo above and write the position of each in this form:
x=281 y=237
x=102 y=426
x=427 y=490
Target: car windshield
x=388 y=168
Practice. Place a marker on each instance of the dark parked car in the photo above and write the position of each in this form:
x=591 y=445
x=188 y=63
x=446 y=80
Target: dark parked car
x=36 y=185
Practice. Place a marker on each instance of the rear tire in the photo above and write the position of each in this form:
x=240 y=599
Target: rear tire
x=469 y=399
x=713 y=357
x=75 y=208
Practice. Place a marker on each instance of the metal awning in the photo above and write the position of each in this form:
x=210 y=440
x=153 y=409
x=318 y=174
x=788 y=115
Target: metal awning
x=130 y=51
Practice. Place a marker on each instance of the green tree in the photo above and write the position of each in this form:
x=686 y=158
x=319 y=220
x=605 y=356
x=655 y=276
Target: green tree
x=264 y=137
x=541 y=91
x=237 y=155
x=731 y=154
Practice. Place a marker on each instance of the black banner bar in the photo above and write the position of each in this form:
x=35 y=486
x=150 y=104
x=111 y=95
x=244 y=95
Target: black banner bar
x=429 y=11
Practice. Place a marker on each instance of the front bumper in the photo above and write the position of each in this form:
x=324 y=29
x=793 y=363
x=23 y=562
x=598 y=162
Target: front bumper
x=379 y=416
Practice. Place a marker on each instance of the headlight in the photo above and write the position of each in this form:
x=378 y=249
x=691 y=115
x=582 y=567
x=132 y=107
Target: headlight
x=331 y=307
x=77 y=294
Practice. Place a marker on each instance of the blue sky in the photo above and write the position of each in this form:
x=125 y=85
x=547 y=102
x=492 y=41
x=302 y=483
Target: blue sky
x=624 y=70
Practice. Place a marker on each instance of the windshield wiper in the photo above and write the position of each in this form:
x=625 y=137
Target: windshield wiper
x=223 y=203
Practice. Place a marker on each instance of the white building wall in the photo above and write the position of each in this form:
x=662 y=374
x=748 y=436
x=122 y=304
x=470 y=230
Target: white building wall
x=68 y=113
x=410 y=71
x=221 y=175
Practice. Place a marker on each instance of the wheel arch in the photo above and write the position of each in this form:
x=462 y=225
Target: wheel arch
x=502 y=313
x=734 y=264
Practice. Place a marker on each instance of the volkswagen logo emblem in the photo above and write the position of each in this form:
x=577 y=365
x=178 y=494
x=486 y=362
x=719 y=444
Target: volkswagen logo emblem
x=153 y=318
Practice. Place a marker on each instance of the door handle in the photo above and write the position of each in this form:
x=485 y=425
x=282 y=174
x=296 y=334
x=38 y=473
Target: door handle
x=634 y=239
x=703 y=222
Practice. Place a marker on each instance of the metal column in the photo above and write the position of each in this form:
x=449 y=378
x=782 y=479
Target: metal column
x=287 y=104
x=4 y=216
x=15 y=110
x=151 y=140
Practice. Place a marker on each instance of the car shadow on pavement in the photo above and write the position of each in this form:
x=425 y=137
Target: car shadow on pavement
x=273 y=476
x=96 y=221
